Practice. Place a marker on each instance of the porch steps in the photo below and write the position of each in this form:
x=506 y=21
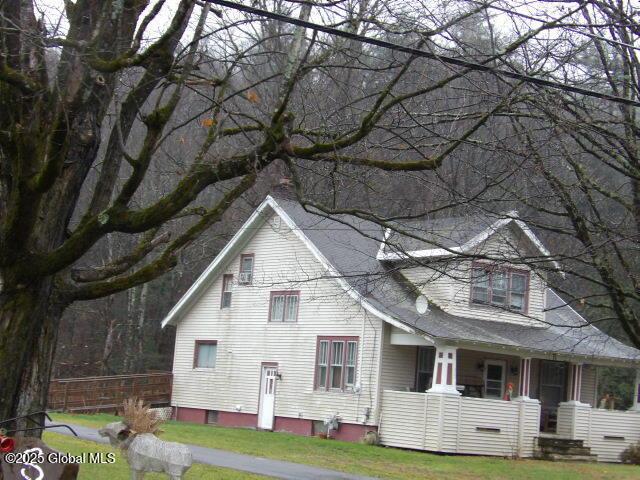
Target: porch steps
x=558 y=449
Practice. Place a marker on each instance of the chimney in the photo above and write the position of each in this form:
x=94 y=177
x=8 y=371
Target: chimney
x=283 y=189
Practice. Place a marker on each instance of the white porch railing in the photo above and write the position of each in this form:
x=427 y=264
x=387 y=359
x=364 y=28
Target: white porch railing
x=454 y=424
x=607 y=432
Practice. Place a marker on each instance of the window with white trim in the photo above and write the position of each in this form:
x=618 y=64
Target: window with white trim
x=503 y=288
x=227 y=291
x=284 y=306
x=336 y=363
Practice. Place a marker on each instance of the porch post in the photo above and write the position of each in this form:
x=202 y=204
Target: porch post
x=636 y=392
x=444 y=372
x=575 y=382
x=524 y=379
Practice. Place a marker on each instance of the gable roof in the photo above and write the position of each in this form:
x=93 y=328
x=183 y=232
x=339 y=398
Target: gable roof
x=341 y=235
x=348 y=248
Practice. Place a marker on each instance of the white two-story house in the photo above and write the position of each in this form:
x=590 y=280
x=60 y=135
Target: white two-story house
x=303 y=318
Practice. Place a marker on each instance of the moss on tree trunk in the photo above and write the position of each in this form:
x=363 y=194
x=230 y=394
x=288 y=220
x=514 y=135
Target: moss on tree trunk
x=29 y=319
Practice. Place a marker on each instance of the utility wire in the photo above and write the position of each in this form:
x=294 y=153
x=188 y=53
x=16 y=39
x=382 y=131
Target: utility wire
x=569 y=29
x=421 y=53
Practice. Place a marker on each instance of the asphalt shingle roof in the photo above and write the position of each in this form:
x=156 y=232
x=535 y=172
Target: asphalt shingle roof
x=438 y=232
x=351 y=244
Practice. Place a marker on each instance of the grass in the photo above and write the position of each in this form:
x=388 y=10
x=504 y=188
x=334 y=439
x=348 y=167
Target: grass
x=120 y=470
x=389 y=463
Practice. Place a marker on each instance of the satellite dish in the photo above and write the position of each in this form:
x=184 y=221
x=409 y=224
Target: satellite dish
x=422 y=304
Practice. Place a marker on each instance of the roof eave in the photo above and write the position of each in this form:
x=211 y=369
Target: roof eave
x=538 y=353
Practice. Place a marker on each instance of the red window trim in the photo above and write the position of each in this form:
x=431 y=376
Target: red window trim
x=253 y=266
x=489 y=267
x=275 y=293
x=225 y=277
x=331 y=339
x=195 y=350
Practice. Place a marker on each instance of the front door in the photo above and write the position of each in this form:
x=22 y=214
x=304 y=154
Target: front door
x=494 y=378
x=553 y=379
x=267 y=397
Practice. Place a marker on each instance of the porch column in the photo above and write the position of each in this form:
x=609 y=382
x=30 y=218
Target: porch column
x=444 y=372
x=524 y=379
x=636 y=393
x=575 y=382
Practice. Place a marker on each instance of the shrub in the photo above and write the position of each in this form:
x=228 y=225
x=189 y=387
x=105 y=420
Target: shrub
x=140 y=418
x=631 y=454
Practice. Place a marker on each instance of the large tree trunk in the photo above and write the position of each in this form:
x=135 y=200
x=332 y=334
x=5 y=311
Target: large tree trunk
x=29 y=319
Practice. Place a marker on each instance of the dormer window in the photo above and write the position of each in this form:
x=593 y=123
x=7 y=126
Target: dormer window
x=246 y=269
x=501 y=287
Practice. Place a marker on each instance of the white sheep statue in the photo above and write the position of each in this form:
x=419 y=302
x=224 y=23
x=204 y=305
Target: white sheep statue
x=147 y=453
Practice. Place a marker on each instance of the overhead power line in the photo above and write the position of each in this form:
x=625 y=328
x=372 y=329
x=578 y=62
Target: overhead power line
x=421 y=53
x=564 y=27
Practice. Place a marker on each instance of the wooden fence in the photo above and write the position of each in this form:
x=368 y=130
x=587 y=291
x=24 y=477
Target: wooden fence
x=108 y=393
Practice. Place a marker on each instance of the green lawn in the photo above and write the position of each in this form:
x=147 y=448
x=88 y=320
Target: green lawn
x=380 y=462
x=120 y=469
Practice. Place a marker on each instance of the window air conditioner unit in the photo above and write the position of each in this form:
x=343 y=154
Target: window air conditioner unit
x=245 y=277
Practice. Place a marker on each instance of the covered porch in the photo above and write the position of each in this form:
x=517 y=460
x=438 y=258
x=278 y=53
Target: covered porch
x=492 y=401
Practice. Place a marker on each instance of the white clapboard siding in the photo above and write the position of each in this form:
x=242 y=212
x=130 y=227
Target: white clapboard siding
x=398 y=368
x=402 y=423
x=434 y=425
x=436 y=285
x=478 y=416
x=607 y=432
x=612 y=432
x=246 y=338
x=454 y=424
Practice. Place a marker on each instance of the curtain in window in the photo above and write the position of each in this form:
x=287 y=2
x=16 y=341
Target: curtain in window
x=206 y=355
x=323 y=363
x=227 y=283
x=277 y=308
x=480 y=285
x=336 y=364
x=352 y=348
x=246 y=269
x=292 y=308
x=518 y=289
x=499 y=288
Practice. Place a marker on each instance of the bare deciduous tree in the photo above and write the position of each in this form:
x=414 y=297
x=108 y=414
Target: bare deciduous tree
x=90 y=101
